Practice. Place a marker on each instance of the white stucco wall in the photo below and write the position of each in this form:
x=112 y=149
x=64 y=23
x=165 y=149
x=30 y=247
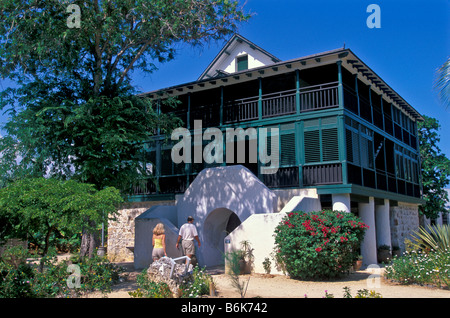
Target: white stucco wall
x=255 y=59
x=214 y=195
x=232 y=188
x=259 y=230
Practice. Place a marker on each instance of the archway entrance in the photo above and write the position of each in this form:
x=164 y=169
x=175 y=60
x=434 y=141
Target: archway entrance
x=218 y=224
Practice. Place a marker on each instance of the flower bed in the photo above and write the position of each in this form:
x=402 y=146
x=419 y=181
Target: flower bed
x=416 y=267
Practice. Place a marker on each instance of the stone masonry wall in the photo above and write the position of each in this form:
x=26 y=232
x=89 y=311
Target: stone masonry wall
x=404 y=220
x=121 y=231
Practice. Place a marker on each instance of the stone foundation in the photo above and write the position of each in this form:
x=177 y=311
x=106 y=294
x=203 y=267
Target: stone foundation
x=121 y=231
x=404 y=220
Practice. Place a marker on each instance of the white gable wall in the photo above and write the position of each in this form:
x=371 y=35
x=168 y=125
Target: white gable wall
x=226 y=60
x=255 y=59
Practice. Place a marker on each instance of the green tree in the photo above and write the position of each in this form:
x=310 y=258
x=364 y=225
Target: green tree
x=34 y=206
x=75 y=106
x=435 y=169
x=74 y=113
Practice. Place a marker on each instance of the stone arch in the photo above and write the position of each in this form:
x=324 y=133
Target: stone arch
x=232 y=188
x=218 y=224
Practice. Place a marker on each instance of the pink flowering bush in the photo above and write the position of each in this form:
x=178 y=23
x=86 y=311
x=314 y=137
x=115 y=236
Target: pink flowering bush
x=318 y=244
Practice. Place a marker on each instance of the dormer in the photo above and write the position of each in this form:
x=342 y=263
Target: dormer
x=239 y=54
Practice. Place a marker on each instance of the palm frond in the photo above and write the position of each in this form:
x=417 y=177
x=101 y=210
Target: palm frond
x=442 y=83
x=436 y=238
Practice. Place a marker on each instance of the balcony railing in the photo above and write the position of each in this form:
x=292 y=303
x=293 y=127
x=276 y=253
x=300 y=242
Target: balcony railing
x=319 y=97
x=241 y=110
x=278 y=104
x=322 y=174
x=310 y=98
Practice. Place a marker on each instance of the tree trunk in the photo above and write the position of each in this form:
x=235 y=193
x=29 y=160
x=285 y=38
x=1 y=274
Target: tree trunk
x=89 y=241
x=47 y=241
x=44 y=253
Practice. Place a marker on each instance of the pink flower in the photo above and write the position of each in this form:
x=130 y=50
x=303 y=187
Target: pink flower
x=318 y=249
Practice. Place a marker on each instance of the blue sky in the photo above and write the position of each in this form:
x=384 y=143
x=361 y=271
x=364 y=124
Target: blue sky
x=413 y=41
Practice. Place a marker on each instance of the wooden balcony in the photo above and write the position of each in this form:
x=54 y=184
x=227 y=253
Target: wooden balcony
x=311 y=98
x=322 y=174
x=240 y=110
x=319 y=97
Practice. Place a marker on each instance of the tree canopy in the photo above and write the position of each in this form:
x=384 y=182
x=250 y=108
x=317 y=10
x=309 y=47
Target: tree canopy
x=35 y=207
x=75 y=112
x=113 y=38
x=435 y=169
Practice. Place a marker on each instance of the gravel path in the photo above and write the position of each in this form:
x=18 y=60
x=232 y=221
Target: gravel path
x=280 y=286
x=283 y=287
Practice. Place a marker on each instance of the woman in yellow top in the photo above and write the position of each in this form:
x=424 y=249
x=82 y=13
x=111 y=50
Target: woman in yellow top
x=159 y=242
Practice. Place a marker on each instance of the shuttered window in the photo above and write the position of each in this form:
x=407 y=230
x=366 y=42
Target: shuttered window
x=352 y=141
x=312 y=146
x=359 y=144
x=287 y=149
x=330 y=144
x=286 y=145
x=242 y=63
x=321 y=140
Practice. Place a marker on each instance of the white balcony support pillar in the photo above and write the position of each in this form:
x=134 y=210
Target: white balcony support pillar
x=369 y=244
x=383 y=226
x=341 y=202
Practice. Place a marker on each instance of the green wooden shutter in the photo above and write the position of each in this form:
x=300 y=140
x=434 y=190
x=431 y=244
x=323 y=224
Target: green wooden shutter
x=353 y=149
x=312 y=146
x=242 y=63
x=287 y=148
x=330 y=149
x=274 y=156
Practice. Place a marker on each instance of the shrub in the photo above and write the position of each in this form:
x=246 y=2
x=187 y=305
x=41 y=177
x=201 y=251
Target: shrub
x=318 y=244
x=21 y=280
x=197 y=285
x=432 y=238
x=417 y=267
x=150 y=289
x=361 y=293
x=16 y=282
x=266 y=265
x=16 y=275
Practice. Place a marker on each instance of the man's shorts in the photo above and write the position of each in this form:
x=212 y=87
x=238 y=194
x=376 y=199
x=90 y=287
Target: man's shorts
x=188 y=247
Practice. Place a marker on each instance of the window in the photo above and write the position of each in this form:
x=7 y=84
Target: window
x=242 y=63
x=359 y=144
x=321 y=140
x=287 y=145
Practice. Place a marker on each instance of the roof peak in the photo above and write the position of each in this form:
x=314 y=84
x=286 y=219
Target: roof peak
x=237 y=46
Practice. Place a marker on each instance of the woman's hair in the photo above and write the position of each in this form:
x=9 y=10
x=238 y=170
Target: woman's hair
x=159 y=229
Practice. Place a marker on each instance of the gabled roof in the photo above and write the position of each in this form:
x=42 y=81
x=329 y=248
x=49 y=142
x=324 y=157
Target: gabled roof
x=223 y=63
x=349 y=60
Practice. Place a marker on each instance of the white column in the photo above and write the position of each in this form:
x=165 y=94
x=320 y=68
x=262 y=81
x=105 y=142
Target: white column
x=383 y=226
x=341 y=202
x=369 y=244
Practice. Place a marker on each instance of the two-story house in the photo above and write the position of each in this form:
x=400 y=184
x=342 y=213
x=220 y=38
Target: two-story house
x=339 y=129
